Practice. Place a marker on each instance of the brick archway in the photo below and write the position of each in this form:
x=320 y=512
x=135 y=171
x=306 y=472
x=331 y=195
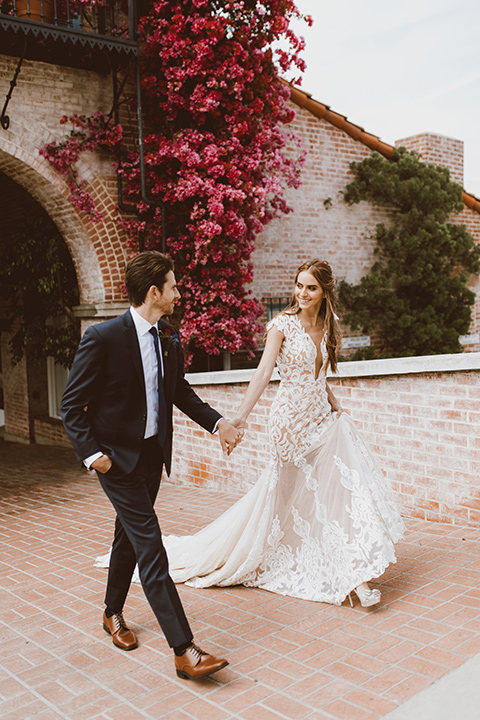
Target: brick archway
x=97 y=249
x=44 y=93
x=28 y=185
x=22 y=170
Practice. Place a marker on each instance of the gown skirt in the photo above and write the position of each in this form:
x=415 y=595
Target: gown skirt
x=313 y=529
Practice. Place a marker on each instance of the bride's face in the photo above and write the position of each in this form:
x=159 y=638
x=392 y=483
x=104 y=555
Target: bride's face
x=308 y=292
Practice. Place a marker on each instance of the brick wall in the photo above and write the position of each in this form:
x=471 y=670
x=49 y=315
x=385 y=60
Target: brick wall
x=15 y=396
x=323 y=225
x=438 y=150
x=44 y=93
x=421 y=415
x=49 y=431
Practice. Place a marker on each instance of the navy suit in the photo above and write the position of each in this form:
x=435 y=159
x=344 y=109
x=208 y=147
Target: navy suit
x=104 y=409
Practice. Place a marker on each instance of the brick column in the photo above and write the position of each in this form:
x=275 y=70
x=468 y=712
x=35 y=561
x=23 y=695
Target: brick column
x=18 y=424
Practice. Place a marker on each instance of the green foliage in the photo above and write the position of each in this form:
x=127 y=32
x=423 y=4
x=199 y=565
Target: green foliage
x=38 y=286
x=416 y=293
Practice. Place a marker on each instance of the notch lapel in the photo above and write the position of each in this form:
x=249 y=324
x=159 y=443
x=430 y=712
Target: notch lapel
x=133 y=346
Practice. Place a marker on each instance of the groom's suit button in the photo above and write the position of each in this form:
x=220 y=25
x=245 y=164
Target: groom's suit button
x=122 y=636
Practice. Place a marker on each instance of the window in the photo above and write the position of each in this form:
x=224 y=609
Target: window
x=57 y=379
x=275 y=305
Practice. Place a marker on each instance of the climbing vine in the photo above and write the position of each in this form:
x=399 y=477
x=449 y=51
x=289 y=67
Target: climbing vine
x=87 y=134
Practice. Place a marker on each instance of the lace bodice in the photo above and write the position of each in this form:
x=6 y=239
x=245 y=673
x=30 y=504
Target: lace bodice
x=300 y=410
x=298 y=354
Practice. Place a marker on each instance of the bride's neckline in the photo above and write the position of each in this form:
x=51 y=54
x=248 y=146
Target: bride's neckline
x=305 y=329
x=318 y=349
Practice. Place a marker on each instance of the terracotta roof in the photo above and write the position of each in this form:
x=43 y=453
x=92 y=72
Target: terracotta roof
x=321 y=111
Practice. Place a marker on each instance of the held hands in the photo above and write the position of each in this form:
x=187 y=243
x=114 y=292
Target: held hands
x=239 y=423
x=229 y=435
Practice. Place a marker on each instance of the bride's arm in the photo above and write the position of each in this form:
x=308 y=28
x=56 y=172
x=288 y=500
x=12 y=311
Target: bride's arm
x=261 y=377
x=334 y=403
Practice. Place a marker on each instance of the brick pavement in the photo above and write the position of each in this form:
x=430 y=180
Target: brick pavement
x=289 y=658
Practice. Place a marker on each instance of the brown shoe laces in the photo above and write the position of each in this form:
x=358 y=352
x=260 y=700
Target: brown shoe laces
x=118 y=622
x=198 y=652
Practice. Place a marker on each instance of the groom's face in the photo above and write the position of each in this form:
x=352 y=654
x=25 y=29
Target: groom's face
x=167 y=297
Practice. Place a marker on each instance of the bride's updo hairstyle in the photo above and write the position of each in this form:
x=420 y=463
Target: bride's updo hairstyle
x=322 y=272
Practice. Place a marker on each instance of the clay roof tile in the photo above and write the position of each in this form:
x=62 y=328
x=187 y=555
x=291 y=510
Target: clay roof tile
x=323 y=112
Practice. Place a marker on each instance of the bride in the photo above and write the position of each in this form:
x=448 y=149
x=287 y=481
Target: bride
x=320 y=521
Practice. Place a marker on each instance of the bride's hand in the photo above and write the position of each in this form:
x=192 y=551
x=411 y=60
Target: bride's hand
x=240 y=425
x=229 y=435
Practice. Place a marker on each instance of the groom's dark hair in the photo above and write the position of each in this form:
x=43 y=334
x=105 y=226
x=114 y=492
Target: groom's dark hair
x=144 y=270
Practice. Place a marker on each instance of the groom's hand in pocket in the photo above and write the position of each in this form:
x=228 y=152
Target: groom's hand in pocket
x=102 y=464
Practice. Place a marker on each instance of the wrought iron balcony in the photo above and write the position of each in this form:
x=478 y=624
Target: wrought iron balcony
x=274 y=305
x=68 y=32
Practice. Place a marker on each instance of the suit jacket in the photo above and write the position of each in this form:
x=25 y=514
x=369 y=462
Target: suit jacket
x=104 y=405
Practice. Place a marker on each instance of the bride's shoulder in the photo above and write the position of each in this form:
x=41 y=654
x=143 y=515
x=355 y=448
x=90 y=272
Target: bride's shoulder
x=282 y=321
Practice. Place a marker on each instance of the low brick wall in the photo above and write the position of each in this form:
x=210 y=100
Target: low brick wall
x=421 y=415
x=49 y=431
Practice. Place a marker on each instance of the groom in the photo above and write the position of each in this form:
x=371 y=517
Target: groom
x=117 y=411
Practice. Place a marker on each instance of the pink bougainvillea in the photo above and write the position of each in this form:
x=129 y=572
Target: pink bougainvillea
x=217 y=151
x=87 y=134
x=217 y=154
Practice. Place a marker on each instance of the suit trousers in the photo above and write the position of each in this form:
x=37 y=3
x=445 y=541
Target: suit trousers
x=138 y=539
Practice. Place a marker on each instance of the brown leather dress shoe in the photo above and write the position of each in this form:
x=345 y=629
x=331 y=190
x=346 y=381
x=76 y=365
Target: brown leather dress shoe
x=195 y=663
x=122 y=636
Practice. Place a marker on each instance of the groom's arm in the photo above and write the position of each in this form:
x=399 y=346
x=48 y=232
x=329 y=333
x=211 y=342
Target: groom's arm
x=80 y=392
x=187 y=400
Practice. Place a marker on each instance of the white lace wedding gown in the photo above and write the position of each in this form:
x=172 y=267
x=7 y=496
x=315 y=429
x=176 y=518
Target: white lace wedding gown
x=321 y=518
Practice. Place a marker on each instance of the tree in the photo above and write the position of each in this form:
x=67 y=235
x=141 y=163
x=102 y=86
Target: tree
x=38 y=285
x=416 y=293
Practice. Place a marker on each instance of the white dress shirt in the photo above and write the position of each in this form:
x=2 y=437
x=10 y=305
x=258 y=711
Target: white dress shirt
x=150 y=373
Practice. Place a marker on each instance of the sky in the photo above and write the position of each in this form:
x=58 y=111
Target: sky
x=399 y=67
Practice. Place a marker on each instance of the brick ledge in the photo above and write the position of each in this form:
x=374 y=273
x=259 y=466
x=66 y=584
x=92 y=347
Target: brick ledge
x=363 y=368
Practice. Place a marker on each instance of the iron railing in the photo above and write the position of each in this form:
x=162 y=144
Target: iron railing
x=97 y=35
x=113 y=19
x=274 y=305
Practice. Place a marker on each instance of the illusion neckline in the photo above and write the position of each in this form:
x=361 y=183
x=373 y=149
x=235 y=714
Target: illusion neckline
x=315 y=374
